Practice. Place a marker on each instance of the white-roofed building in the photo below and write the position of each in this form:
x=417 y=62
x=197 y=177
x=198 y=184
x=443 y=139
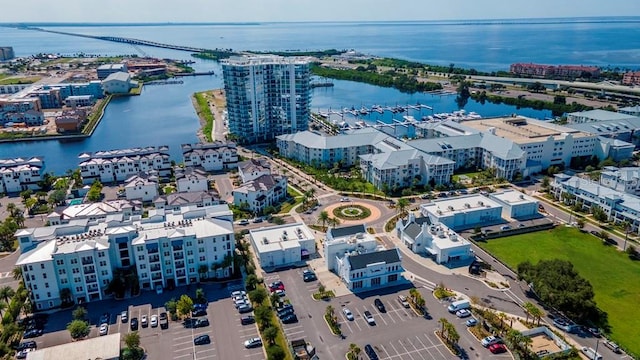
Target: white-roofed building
x=175 y=201
x=119 y=165
x=215 y=156
x=102 y=347
x=619 y=206
x=143 y=186
x=253 y=169
x=282 y=245
x=630 y=110
x=463 y=212
x=596 y=115
x=118 y=83
x=191 y=179
x=20 y=174
x=257 y=194
x=626 y=179
x=516 y=205
x=105 y=70
x=167 y=248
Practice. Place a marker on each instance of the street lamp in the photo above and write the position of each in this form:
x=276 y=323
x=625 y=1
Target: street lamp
x=595 y=356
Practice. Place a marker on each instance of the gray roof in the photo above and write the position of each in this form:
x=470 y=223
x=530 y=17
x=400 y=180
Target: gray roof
x=628 y=124
x=120 y=76
x=601 y=115
x=413 y=230
x=360 y=137
x=179 y=199
x=347 y=230
x=361 y=261
x=501 y=147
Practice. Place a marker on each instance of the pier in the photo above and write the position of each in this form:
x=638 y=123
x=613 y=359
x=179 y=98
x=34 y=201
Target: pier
x=196 y=73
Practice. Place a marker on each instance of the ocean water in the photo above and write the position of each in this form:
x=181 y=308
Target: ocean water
x=163 y=115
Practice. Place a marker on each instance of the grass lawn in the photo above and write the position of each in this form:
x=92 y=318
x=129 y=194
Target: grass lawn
x=615 y=278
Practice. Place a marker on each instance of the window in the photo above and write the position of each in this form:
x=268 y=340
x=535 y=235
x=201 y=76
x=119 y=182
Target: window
x=200 y=250
x=104 y=272
x=42 y=266
x=59 y=262
x=79 y=289
x=63 y=281
x=169 y=271
x=188 y=243
x=38 y=297
x=44 y=276
x=167 y=262
x=140 y=257
x=30 y=268
x=75 y=270
x=190 y=261
x=166 y=254
x=35 y=287
x=46 y=285
x=189 y=252
x=165 y=244
x=200 y=241
x=101 y=254
x=48 y=294
x=143 y=266
x=140 y=248
x=77 y=279
x=202 y=258
x=215 y=248
x=103 y=263
x=61 y=271
x=192 y=270
x=74 y=261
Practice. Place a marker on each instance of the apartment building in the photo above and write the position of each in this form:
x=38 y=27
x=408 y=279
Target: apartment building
x=143 y=187
x=6 y=53
x=77 y=259
x=191 y=179
x=463 y=212
x=70 y=121
x=79 y=100
x=118 y=165
x=16 y=110
x=103 y=71
x=176 y=201
x=266 y=96
x=618 y=206
x=20 y=174
x=257 y=194
x=597 y=116
x=626 y=179
x=623 y=128
x=215 y=156
x=564 y=71
x=253 y=169
x=283 y=245
x=631 y=78
x=118 y=83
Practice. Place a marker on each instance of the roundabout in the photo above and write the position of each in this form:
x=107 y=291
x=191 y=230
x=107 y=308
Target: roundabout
x=355 y=212
x=351 y=212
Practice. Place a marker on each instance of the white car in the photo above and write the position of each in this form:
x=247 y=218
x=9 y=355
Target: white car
x=143 y=321
x=490 y=340
x=344 y=199
x=403 y=300
x=281 y=293
x=154 y=320
x=238 y=293
x=104 y=329
x=369 y=318
x=348 y=314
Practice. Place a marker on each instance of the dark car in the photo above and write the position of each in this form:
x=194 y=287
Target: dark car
x=368 y=349
x=285 y=312
x=198 y=312
x=285 y=306
x=27 y=345
x=104 y=319
x=164 y=321
x=246 y=320
x=201 y=323
x=134 y=323
x=201 y=340
x=32 y=333
x=308 y=276
x=379 y=305
x=289 y=319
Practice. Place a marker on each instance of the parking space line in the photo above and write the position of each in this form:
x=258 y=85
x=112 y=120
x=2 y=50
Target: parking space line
x=407 y=351
x=434 y=345
x=381 y=317
x=346 y=322
x=424 y=347
x=418 y=351
x=181 y=356
x=181 y=343
x=396 y=352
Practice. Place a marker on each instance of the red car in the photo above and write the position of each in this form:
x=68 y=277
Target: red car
x=497 y=348
x=276 y=285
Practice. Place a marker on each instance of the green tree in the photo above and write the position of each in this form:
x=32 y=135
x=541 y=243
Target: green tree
x=57 y=197
x=258 y=295
x=6 y=293
x=184 y=306
x=17 y=273
x=323 y=218
x=78 y=329
x=275 y=352
x=263 y=315
x=274 y=299
x=402 y=205
x=132 y=340
x=270 y=334
x=200 y=297
x=80 y=313
x=251 y=282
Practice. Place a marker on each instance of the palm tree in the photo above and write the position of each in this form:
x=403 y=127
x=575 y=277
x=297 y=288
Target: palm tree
x=3 y=307
x=6 y=293
x=402 y=205
x=443 y=322
x=12 y=208
x=536 y=313
x=270 y=334
x=527 y=309
x=323 y=218
x=17 y=273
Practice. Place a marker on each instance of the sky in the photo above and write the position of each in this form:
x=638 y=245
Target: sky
x=304 y=10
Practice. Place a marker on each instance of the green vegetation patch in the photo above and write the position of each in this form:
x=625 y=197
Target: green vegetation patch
x=352 y=212
x=204 y=111
x=4 y=80
x=614 y=277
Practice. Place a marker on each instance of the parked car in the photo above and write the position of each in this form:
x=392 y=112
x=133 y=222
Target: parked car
x=246 y=320
x=257 y=220
x=238 y=302
x=276 y=285
x=490 y=340
x=245 y=309
x=289 y=319
x=285 y=312
x=198 y=312
x=497 y=348
x=368 y=349
x=463 y=313
x=154 y=321
x=243 y=222
x=348 y=314
x=595 y=331
x=344 y=199
x=104 y=329
x=143 y=321
x=201 y=323
x=32 y=333
x=22 y=354
x=280 y=293
x=403 y=301
x=201 y=340
x=308 y=276
x=238 y=293
x=369 y=318
x=134 y=324
x=104 y=318
x=284 y=307
x=164 y=321
x=27 y=345
x=253 y=343
x=378 y=303
x=124 y=316
x=471 y=322
x=505 y=227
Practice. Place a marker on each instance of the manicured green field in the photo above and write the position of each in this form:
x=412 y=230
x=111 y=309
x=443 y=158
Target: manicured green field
x=615 y=278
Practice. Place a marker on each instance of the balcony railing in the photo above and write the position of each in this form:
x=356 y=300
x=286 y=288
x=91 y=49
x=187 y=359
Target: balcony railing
x=155 y=268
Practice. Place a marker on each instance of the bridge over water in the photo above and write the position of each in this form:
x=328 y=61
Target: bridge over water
x=125 y=40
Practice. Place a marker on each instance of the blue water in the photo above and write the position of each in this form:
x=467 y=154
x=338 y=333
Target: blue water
x=163 y=115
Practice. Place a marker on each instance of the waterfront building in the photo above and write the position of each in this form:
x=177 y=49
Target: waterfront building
x=618 y=206
x=6 y=53
x=257 y=194
x=12 y=89
x=79 y=100
x=266 y=96
x=215 y=156
x=49 y=98
x=545 y=144
x=191 y=179
x=631 y=78
x=143 y=187
x=630 y=110
x=626 y=179
x=283 y=245
x=118 y=165
x=463 y=212
x=20 y=174
x=70 y=121
x=435 y=240
x=118 y=83
x=167 y=248
x=253 y=169
x=617 y=126
x=597 y=116
x=175 y=201
x=105 y=70
x=564 y=71
x=27 y=110
x=93 y=88
x=104 y=211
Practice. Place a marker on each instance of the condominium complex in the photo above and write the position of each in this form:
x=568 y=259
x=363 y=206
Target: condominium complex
x=105 y=70
x=618 y=206
x=597 y=116
x=166 y=248
x=215 y=156
x=625 y=179
x=20 y=174
x=6 y=53
x=28 y=111
x=571 y=71
x=266 y=96
x=119 y=165
x=631 y=78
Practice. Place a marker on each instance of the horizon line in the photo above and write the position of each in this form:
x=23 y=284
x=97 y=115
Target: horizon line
x=257 y=22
